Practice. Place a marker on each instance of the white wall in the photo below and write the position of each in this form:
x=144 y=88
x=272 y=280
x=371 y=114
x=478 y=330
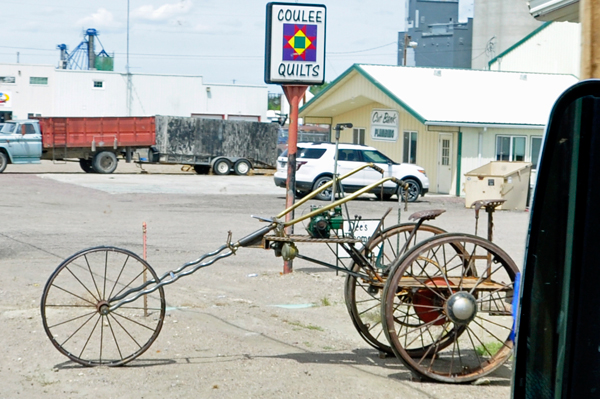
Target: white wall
x=554 y=49
x=72 y=93
x=507 y=20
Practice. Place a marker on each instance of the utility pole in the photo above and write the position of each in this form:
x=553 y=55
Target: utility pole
x=589 y=15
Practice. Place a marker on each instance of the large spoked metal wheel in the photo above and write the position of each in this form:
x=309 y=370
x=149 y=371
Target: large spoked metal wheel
x=76 y=307
x=363 y=295
x=447 y=307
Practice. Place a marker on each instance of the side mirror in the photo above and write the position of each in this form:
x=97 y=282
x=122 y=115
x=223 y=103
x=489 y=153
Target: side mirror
x=23 y=130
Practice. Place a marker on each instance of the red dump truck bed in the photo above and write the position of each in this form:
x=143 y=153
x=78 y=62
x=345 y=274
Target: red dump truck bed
x=73 y=132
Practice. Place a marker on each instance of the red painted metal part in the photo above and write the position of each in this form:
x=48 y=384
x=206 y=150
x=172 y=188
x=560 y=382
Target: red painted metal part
x=426 y=301
x=293 y=94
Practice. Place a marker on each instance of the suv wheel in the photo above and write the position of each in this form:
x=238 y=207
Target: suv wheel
x=414 y=190
x=324 y=195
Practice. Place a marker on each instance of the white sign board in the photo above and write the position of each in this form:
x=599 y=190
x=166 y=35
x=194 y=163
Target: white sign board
x=295 y=44
x=384 y=124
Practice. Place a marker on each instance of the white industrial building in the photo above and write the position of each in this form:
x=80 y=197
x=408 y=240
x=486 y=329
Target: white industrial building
x=43 y=90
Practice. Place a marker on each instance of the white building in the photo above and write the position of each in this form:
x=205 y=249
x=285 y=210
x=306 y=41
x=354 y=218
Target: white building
x=554 y=47
x=43 y=90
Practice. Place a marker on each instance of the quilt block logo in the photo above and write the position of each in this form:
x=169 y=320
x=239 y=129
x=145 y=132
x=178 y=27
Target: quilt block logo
x=299 y=42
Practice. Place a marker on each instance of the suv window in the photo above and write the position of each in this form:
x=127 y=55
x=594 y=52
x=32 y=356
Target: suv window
x=307 y=153
x=376 y=157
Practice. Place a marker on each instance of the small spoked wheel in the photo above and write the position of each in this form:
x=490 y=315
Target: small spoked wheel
x=447 y=307
x=76 y=307
x=363 y=295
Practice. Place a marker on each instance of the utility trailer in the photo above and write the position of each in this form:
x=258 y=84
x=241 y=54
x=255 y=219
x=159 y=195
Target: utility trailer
x=225 y=146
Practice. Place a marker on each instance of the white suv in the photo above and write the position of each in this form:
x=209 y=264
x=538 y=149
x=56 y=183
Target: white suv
x=315 y=162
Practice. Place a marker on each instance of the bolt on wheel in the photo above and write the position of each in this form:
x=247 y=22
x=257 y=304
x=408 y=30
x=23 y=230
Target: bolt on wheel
x=76 y=307
x=363 y=296
x=447 y=308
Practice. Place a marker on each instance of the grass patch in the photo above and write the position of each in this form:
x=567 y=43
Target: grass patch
x=490 y=348
x=306 y=326
x=325 y=301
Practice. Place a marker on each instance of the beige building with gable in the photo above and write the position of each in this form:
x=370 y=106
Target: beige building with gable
x=449 y=121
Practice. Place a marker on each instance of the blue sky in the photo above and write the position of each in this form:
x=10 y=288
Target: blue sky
x=221 y=40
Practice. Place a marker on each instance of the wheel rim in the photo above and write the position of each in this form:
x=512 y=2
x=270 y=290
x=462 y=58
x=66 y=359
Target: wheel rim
x=222 y=167
x=325 y=194
x=363 y=297
x=75 y=307
x=242 y=168
x=413 y=191
x=471 y=333
x=107 y=162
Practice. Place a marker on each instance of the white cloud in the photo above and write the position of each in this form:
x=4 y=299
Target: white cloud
x=100 y=19
x=163 y=13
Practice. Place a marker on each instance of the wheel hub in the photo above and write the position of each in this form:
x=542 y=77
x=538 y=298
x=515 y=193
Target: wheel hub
x=461 y=308
x=103 y=308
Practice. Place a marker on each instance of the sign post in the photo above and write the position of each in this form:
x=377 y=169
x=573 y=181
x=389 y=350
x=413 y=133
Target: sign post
x=295 y=59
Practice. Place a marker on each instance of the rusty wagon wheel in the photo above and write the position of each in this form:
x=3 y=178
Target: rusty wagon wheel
x=463 y=301
x=363 y=296
x=75 y=307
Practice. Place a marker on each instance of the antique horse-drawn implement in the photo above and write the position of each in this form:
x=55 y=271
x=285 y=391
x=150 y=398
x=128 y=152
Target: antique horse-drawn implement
x=441 y=302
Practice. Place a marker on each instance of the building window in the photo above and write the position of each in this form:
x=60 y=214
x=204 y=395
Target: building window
x=34 y=80
x=410 y=147
x=98 y=84
x=7 y=79
x=510 y=148
x=358 y=136
x=536 y=146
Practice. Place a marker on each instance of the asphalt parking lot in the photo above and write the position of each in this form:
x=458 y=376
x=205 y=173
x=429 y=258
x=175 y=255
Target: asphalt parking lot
x=236 y=329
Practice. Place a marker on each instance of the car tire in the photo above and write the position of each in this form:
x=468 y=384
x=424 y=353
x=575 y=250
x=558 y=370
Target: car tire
x=325 y=195
x=242 y=167
x=105 y=162
x=201 y=169
x=3 y=161
x=414 y=190
x=86 y=165
x=221 y=167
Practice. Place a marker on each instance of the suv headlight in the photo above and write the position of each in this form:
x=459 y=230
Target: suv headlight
x=422 y=171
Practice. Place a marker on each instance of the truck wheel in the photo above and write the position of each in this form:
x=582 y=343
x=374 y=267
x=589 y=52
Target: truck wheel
x=3 y=161
x=86 y=165
x=105 y=162
x=242 y=167
x=222 y=167
x=201 y=169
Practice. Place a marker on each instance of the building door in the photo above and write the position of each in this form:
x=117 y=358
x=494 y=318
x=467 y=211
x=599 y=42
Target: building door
x=444 y=175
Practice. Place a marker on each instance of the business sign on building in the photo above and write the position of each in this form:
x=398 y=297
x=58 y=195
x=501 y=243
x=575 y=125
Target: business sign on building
x=5 y=99
x=384 y=124
x=295 y=44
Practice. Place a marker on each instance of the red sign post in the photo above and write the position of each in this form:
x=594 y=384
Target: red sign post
x=294 y=58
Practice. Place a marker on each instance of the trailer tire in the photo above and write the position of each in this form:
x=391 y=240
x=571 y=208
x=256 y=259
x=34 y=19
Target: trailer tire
x=105 y=162
x=242 y=167
x=3 y=161
x=86 y=165
x=201 y=169
x=222 y=167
